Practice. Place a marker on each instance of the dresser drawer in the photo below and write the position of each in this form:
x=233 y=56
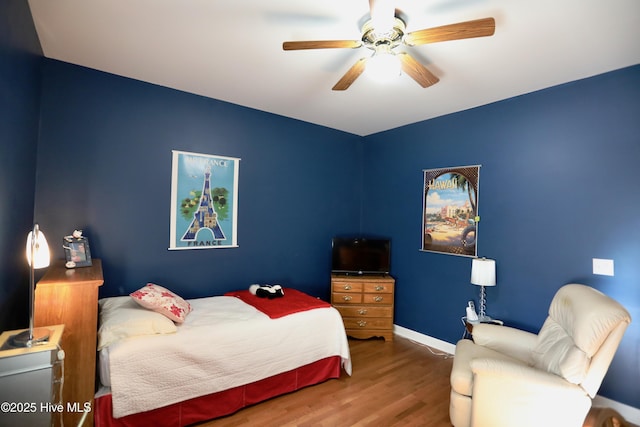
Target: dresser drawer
x=365 y=311
x=377 y=299
x=346 y=298
x=346 y=286
x=367 y=323
x=382 y=287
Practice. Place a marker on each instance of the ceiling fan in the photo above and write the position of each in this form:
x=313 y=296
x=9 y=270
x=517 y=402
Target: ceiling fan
x=385 y=31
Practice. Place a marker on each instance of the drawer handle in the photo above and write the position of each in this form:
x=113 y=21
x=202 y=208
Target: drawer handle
x=347 y=287
x=378 y=299
x=362 y=311
x=362 y=323
x=346 y=298
x=379 y=288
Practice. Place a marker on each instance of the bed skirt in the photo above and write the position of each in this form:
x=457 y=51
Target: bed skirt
x=222 y=403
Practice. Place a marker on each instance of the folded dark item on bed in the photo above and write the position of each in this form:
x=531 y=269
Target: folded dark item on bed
x=293 y=301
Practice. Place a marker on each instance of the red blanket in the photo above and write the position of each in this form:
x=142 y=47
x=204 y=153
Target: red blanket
x=293 y=301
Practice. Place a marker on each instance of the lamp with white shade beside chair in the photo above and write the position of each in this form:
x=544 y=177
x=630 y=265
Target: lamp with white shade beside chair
x=483 y=273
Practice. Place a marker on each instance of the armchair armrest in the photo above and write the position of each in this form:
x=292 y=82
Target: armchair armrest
x=521 y=376
x=504 y=339
x=506 y=394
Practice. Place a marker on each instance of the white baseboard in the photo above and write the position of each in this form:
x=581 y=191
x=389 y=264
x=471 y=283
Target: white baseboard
x=424 y=339
x=630 y=413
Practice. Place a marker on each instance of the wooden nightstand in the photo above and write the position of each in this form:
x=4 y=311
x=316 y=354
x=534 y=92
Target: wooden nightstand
x=70 y=297
x=365 y=303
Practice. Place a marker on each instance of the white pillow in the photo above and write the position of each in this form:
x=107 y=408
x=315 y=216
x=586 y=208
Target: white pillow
x=121 y=317
x=556 y=352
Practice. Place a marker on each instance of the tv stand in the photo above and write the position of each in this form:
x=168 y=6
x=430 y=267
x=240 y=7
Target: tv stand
x=365 y=303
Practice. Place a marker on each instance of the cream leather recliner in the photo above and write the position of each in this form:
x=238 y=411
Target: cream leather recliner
x=507 y=377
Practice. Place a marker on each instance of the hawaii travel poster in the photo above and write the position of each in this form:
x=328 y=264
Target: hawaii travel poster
x=204 y=201
x=450 y=210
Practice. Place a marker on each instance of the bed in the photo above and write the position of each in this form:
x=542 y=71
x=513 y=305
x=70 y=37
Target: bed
x=230 y=352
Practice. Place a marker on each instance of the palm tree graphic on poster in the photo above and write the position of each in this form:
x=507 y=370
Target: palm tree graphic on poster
x=204 y=201
x=450 y=210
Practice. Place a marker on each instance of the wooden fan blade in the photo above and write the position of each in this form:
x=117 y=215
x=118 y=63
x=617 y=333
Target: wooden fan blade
x=322 y=44
x=351 y=75
x=416 y=70
x=462 y=30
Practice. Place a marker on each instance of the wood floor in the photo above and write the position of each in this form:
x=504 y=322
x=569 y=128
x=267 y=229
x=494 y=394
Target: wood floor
x=396 y=383
x=401 y=383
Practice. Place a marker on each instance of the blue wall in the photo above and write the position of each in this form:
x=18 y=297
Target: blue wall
x=105 y=167
x=558 y=187
x=20 y=59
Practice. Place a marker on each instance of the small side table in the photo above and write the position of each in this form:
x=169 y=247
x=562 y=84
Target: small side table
x=468 y=325
x=31 y=381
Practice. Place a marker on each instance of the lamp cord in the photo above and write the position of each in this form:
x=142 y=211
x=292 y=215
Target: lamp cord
x=60 y=362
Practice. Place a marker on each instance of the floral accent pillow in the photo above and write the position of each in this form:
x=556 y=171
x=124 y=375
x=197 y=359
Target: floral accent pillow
x=163 y=301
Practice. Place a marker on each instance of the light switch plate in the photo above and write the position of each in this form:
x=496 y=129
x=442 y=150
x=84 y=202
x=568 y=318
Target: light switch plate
x=603 y=267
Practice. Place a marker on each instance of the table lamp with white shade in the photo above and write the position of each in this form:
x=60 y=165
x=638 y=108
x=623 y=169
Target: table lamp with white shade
x=38 y=256
x=483 y=273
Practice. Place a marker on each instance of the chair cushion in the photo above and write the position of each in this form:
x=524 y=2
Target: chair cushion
x=556 y=352
x=587 y=315
x=461 y=374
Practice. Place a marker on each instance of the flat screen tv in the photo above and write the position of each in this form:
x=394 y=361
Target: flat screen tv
x=360 y=255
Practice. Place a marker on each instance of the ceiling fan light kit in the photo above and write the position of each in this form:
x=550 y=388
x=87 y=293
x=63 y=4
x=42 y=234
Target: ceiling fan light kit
x=383 y=33
x=383 y=66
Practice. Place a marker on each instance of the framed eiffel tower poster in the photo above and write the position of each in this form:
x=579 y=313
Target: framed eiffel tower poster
x=204 y=201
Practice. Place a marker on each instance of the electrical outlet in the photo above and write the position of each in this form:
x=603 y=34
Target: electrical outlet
x=603 y=267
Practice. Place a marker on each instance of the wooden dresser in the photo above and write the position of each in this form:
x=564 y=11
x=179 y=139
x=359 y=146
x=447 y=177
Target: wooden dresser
x=70 y=297
x=365 y=303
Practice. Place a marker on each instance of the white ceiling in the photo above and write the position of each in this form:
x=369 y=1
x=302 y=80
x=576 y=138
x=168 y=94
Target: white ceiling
x=232 y=50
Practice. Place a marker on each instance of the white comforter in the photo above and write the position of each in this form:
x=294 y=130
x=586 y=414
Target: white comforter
x=223 y=343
